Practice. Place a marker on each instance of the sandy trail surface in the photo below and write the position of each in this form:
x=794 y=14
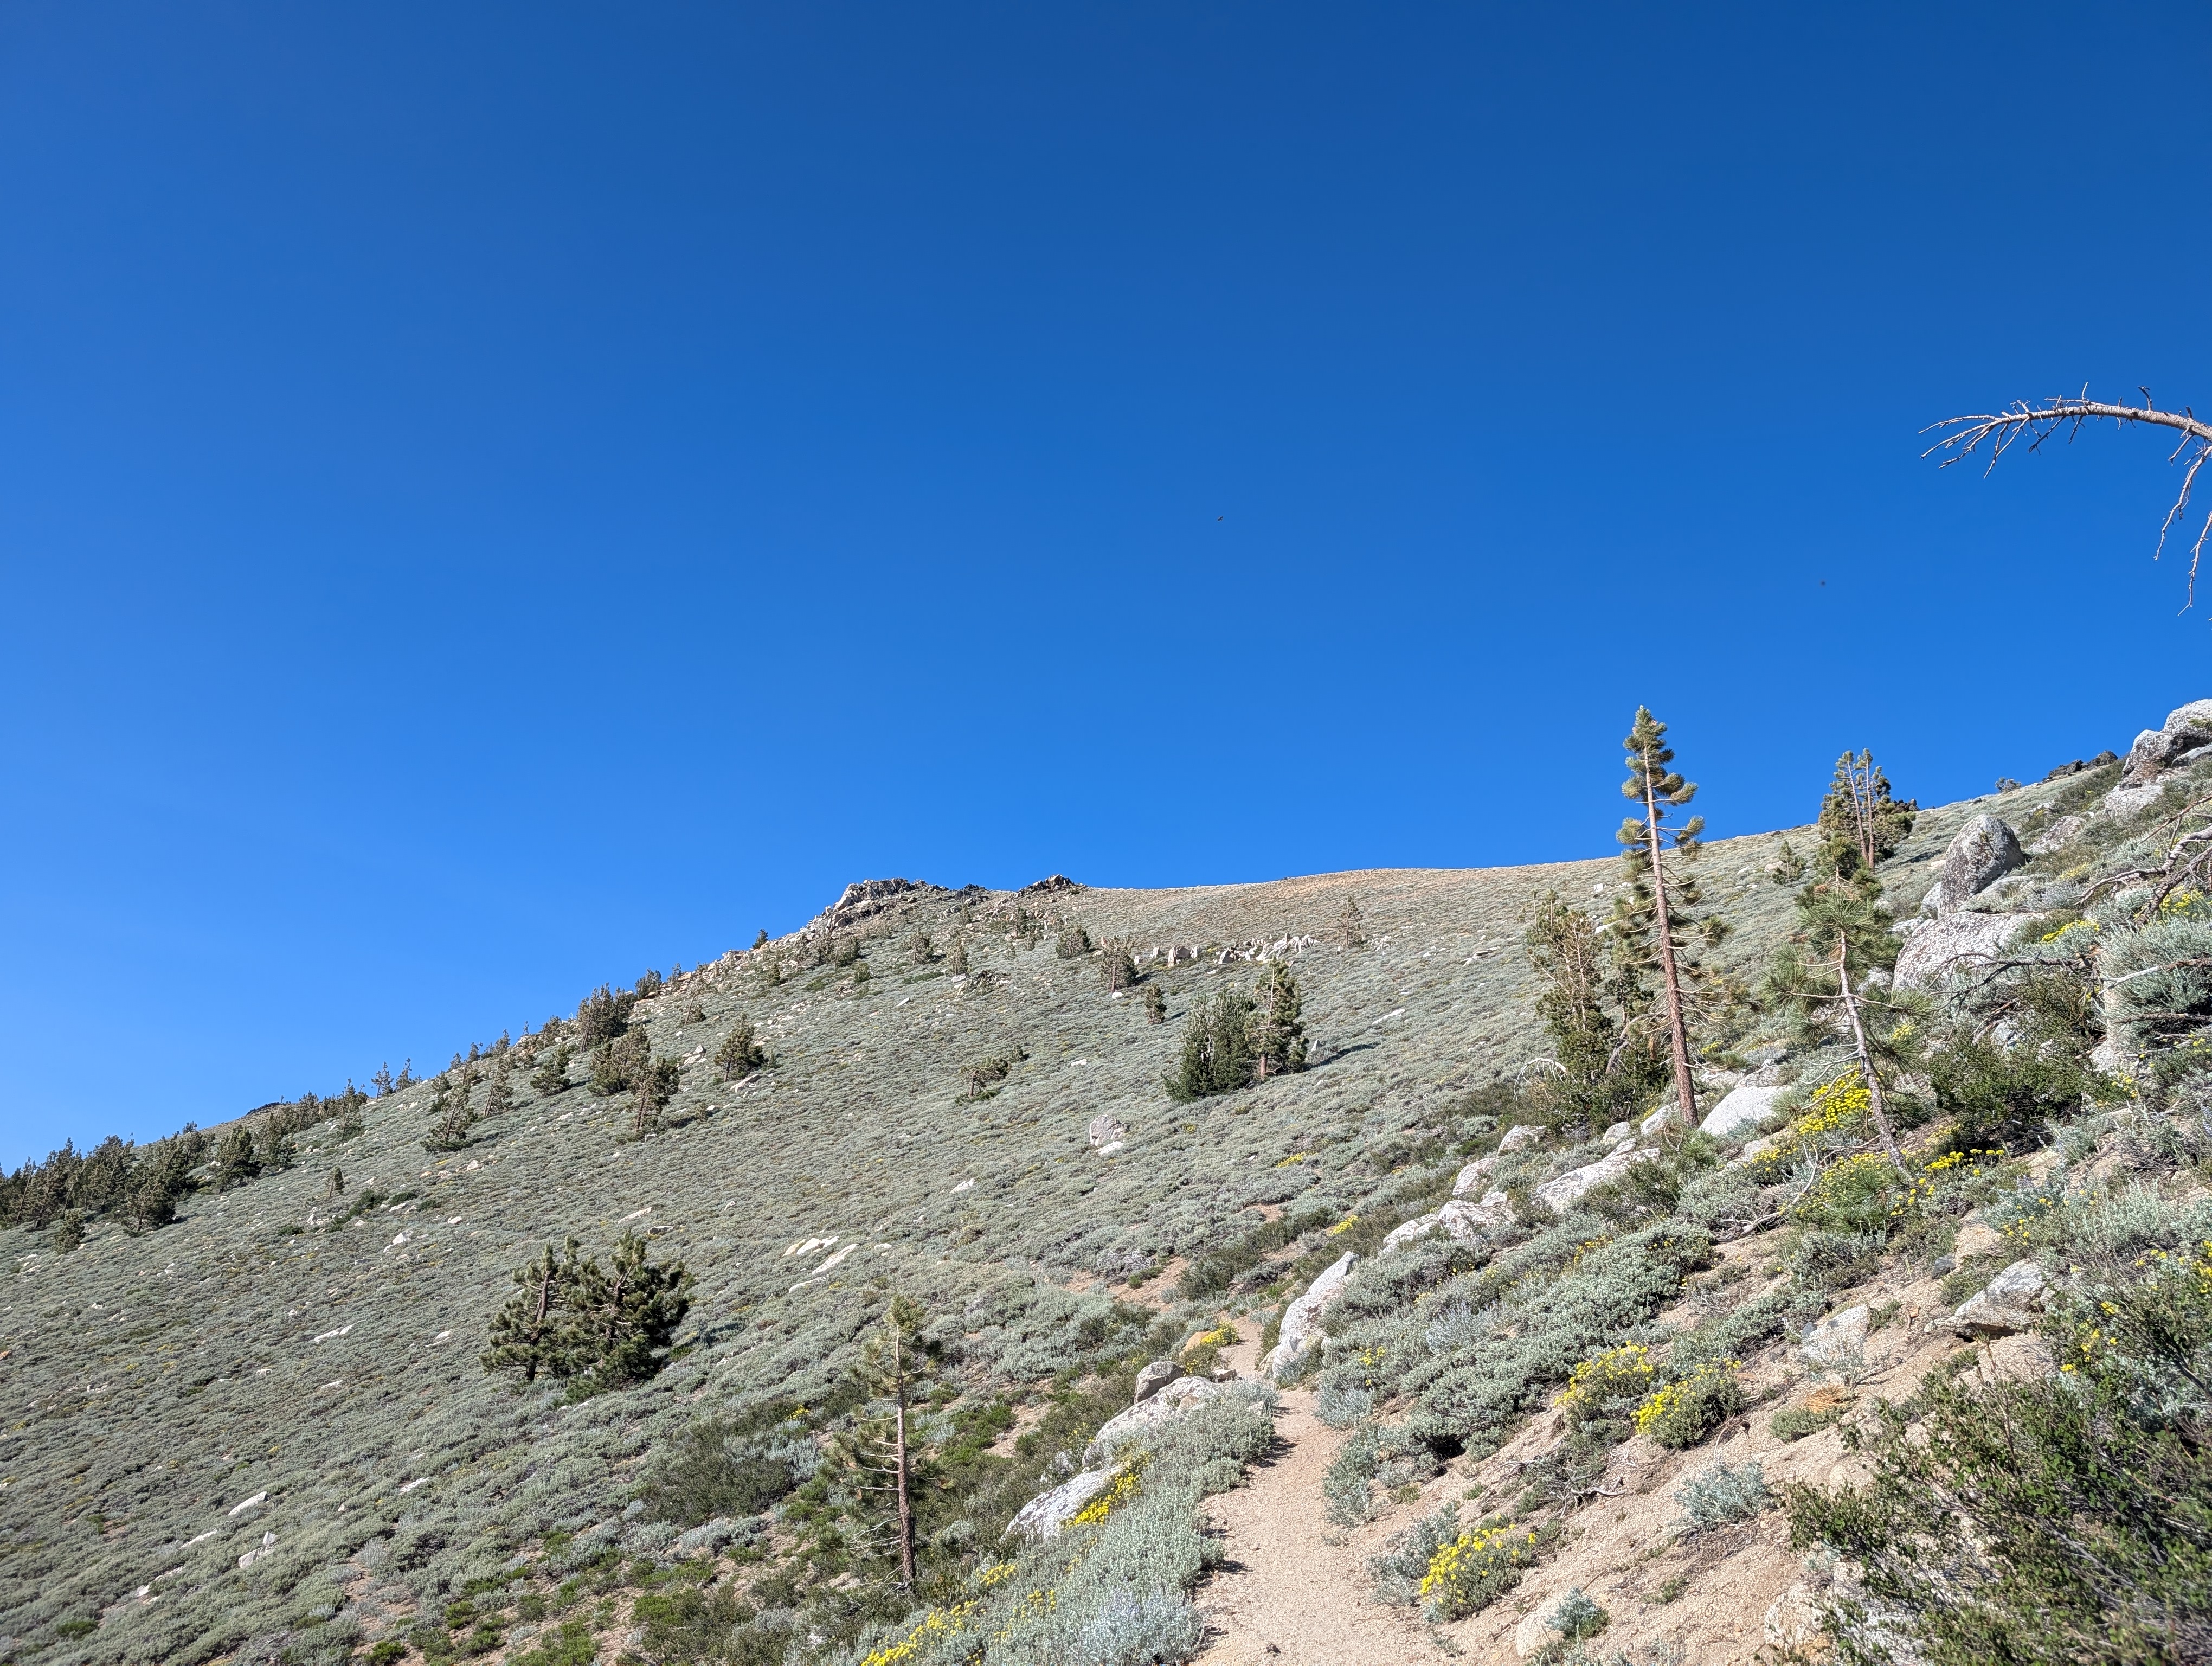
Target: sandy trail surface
x=1293 y=1591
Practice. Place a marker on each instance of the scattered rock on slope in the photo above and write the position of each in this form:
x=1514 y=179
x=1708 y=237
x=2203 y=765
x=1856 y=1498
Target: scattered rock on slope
x=2011 y=1301
x=1044 y=1515
x=1165 y=1405
x=1302 y=1320
x=1154 y=1378
x=1983 y=851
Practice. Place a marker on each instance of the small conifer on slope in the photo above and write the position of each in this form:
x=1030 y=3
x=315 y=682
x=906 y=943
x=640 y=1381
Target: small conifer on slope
x=1235 y=1039
x=1590 y=1002
x=1819 y=977
x=741 y=1053
x=597 y=1328
x=880 y=1452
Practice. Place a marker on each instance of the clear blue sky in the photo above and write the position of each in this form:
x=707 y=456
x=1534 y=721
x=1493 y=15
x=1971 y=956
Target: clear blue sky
x=494 y=497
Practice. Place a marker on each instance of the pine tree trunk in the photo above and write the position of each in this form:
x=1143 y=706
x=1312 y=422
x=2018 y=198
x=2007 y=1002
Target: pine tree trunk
x=898 y=1464
x=1866 y=1061
x=1678 y=1035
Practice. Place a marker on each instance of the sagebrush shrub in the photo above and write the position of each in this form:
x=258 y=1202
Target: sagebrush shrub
x=1721 y=1493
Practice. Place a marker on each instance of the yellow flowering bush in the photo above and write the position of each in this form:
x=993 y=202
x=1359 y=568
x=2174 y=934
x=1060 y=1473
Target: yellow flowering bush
x=1608 y=1383
x=1343 y=1226
x=1836 y=1106
x=1683 y=1412
x=1940 y=1176
x=1477 y=1568
x=939 y=1623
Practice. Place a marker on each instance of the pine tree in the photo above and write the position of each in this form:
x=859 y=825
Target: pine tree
x=741 y=1053
x=1861 y=824
x=881 y=1452
x=1277 y=1038
x=535 y=1331
x=278 y=1154
x=235 y=1161
x=69 y=1230
x=626 y=1317
x=500 y=1099
x=1842 y=932
x=1119 y=968
x=1217 y=1048
x=1589 y=1003
x=957 y=962
x=382 y=1081
x=1353 y=924
x=655 y=1085
x=760 y=938
x=1155 y=1005
x=1653 y=915
x=450 y=1118
x=552 y=1076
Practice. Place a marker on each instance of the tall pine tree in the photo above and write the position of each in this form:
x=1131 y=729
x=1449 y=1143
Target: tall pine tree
x=881 y=1454
x=1652 y=914
x=1861 y=823
x=1279 y=1038
x=1842 y=932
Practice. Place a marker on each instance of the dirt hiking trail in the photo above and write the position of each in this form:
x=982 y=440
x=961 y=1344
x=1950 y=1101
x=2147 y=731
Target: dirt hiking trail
x=1292 y=1592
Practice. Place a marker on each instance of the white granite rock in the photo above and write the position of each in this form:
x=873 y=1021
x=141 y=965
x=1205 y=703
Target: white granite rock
x=1744 y=1107
x=2011 y=1301
x=1839 y=1338
x=1301 y=1329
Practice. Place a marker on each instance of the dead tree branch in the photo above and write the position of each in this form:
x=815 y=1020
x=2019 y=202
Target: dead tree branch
x=2039 y=422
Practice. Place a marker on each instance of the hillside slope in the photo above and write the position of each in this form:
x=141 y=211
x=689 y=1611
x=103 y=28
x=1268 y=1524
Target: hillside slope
x=259 y=1433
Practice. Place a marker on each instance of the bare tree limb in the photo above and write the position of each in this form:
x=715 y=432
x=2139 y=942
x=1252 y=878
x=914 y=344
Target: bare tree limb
x=2039 y=422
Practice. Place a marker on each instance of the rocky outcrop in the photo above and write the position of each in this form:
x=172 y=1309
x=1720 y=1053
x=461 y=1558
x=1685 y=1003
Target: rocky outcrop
x=1463 y=1218
x=2056 y=837
x=1938 y=947
x=1045 y=1516
x=1106 y=1129
x=2184 y=736
x=1474 y=1179
x=1154 y=1378
x=863 y=899
x=1052 y=885
x=1519 y=1137
x=1743 y=1106
x=2010 y=1303
x=1562 y=1193
x=1160 y=1408
x=1981 y=851
x=1301 y=1330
